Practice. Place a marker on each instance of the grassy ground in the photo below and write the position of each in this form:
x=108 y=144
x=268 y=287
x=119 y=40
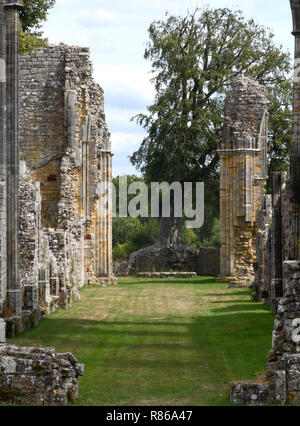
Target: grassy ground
x=168 y=342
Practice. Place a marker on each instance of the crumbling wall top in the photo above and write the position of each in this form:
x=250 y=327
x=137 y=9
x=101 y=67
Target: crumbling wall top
x=245 y=114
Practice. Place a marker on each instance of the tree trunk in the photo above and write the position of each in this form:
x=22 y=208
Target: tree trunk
x=169 y=232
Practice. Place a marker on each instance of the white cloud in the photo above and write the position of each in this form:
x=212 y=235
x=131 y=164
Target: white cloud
x=98 y=16
x=125 y=86
x=123 y=146
x=125 y=143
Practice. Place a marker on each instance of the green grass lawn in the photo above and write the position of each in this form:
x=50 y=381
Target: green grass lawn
x=160 y=342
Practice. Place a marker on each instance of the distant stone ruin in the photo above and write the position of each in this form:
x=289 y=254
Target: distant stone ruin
x=179 y=258
x=54 y=238
x=243 y=158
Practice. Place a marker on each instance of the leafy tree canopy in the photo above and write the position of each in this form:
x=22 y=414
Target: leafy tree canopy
x=193 y=61
x=30 y=42
x=34 y=13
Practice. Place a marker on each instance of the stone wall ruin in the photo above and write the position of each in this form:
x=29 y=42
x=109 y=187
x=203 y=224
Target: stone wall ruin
x=243 y=160
x=277 y=280
x=62 y=157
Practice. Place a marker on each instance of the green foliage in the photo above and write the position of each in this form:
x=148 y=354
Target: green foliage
x=29 y=42
x=147 y=235
x=34 y=13
x=190 y=238
x=122 y=251
x=130 y=234
x=124 y=228
x=193 y=59
x=197 y=239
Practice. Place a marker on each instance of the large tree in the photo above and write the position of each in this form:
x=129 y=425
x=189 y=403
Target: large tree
x=32 y=16
x=194 y=58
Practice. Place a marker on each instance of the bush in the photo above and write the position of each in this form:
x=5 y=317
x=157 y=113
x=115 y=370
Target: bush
x=130 y=234
x=190 y=238
x=29 y=42
x=124 y=228
x=122 y=252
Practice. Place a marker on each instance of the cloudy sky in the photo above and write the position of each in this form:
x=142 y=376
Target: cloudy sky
x=116 y=32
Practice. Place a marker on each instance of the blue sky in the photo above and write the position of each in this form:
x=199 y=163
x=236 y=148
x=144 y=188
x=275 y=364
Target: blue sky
x=116 y=33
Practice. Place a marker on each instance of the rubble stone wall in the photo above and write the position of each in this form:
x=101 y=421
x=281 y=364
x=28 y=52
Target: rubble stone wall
x=34 y=376
x=282 y=382
x=243 y=157
x=156 y=258
x=65 y=156
x=274 y=242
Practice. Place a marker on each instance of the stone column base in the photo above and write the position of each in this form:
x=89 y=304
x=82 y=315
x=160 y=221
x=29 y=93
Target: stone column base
x=103 y=281
x=224 y=279
x=235 y=282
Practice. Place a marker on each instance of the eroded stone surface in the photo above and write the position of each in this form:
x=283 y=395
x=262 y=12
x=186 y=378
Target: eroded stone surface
x=167 y=274
x=283 y=378
x=243 y=159
x=64 y=240
x=250 y=393
x=179 y=258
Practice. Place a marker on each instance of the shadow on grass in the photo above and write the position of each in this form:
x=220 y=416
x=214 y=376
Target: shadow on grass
x=131 y=281
x=132 y=359
x=239 y=340
x=229 y=293
x=242 y=307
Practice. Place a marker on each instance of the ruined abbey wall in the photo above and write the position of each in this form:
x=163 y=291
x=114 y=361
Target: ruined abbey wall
x=275 y=242
x=277 y=280
x=65 y=155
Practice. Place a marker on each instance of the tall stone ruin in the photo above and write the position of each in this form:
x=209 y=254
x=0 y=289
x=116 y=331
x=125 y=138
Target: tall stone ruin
x=277 y=280
x=10 y=292
x=55 y=156
x=243 y=159
x=294 y=249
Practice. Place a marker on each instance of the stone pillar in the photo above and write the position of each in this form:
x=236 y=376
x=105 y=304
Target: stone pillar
x=243 y=158
x=13 y=306
x=295 y=145
x=278 y=187
x=104 y=265
x=2 y=156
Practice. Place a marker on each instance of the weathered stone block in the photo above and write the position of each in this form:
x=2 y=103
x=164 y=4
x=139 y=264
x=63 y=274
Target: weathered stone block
x=31 y=376
x=251 y=393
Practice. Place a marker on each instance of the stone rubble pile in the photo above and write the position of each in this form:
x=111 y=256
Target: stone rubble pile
x=282 y=381
x=33 y=376
x=167 y=275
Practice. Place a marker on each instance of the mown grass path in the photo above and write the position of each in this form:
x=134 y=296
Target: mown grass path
x=167 y=342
